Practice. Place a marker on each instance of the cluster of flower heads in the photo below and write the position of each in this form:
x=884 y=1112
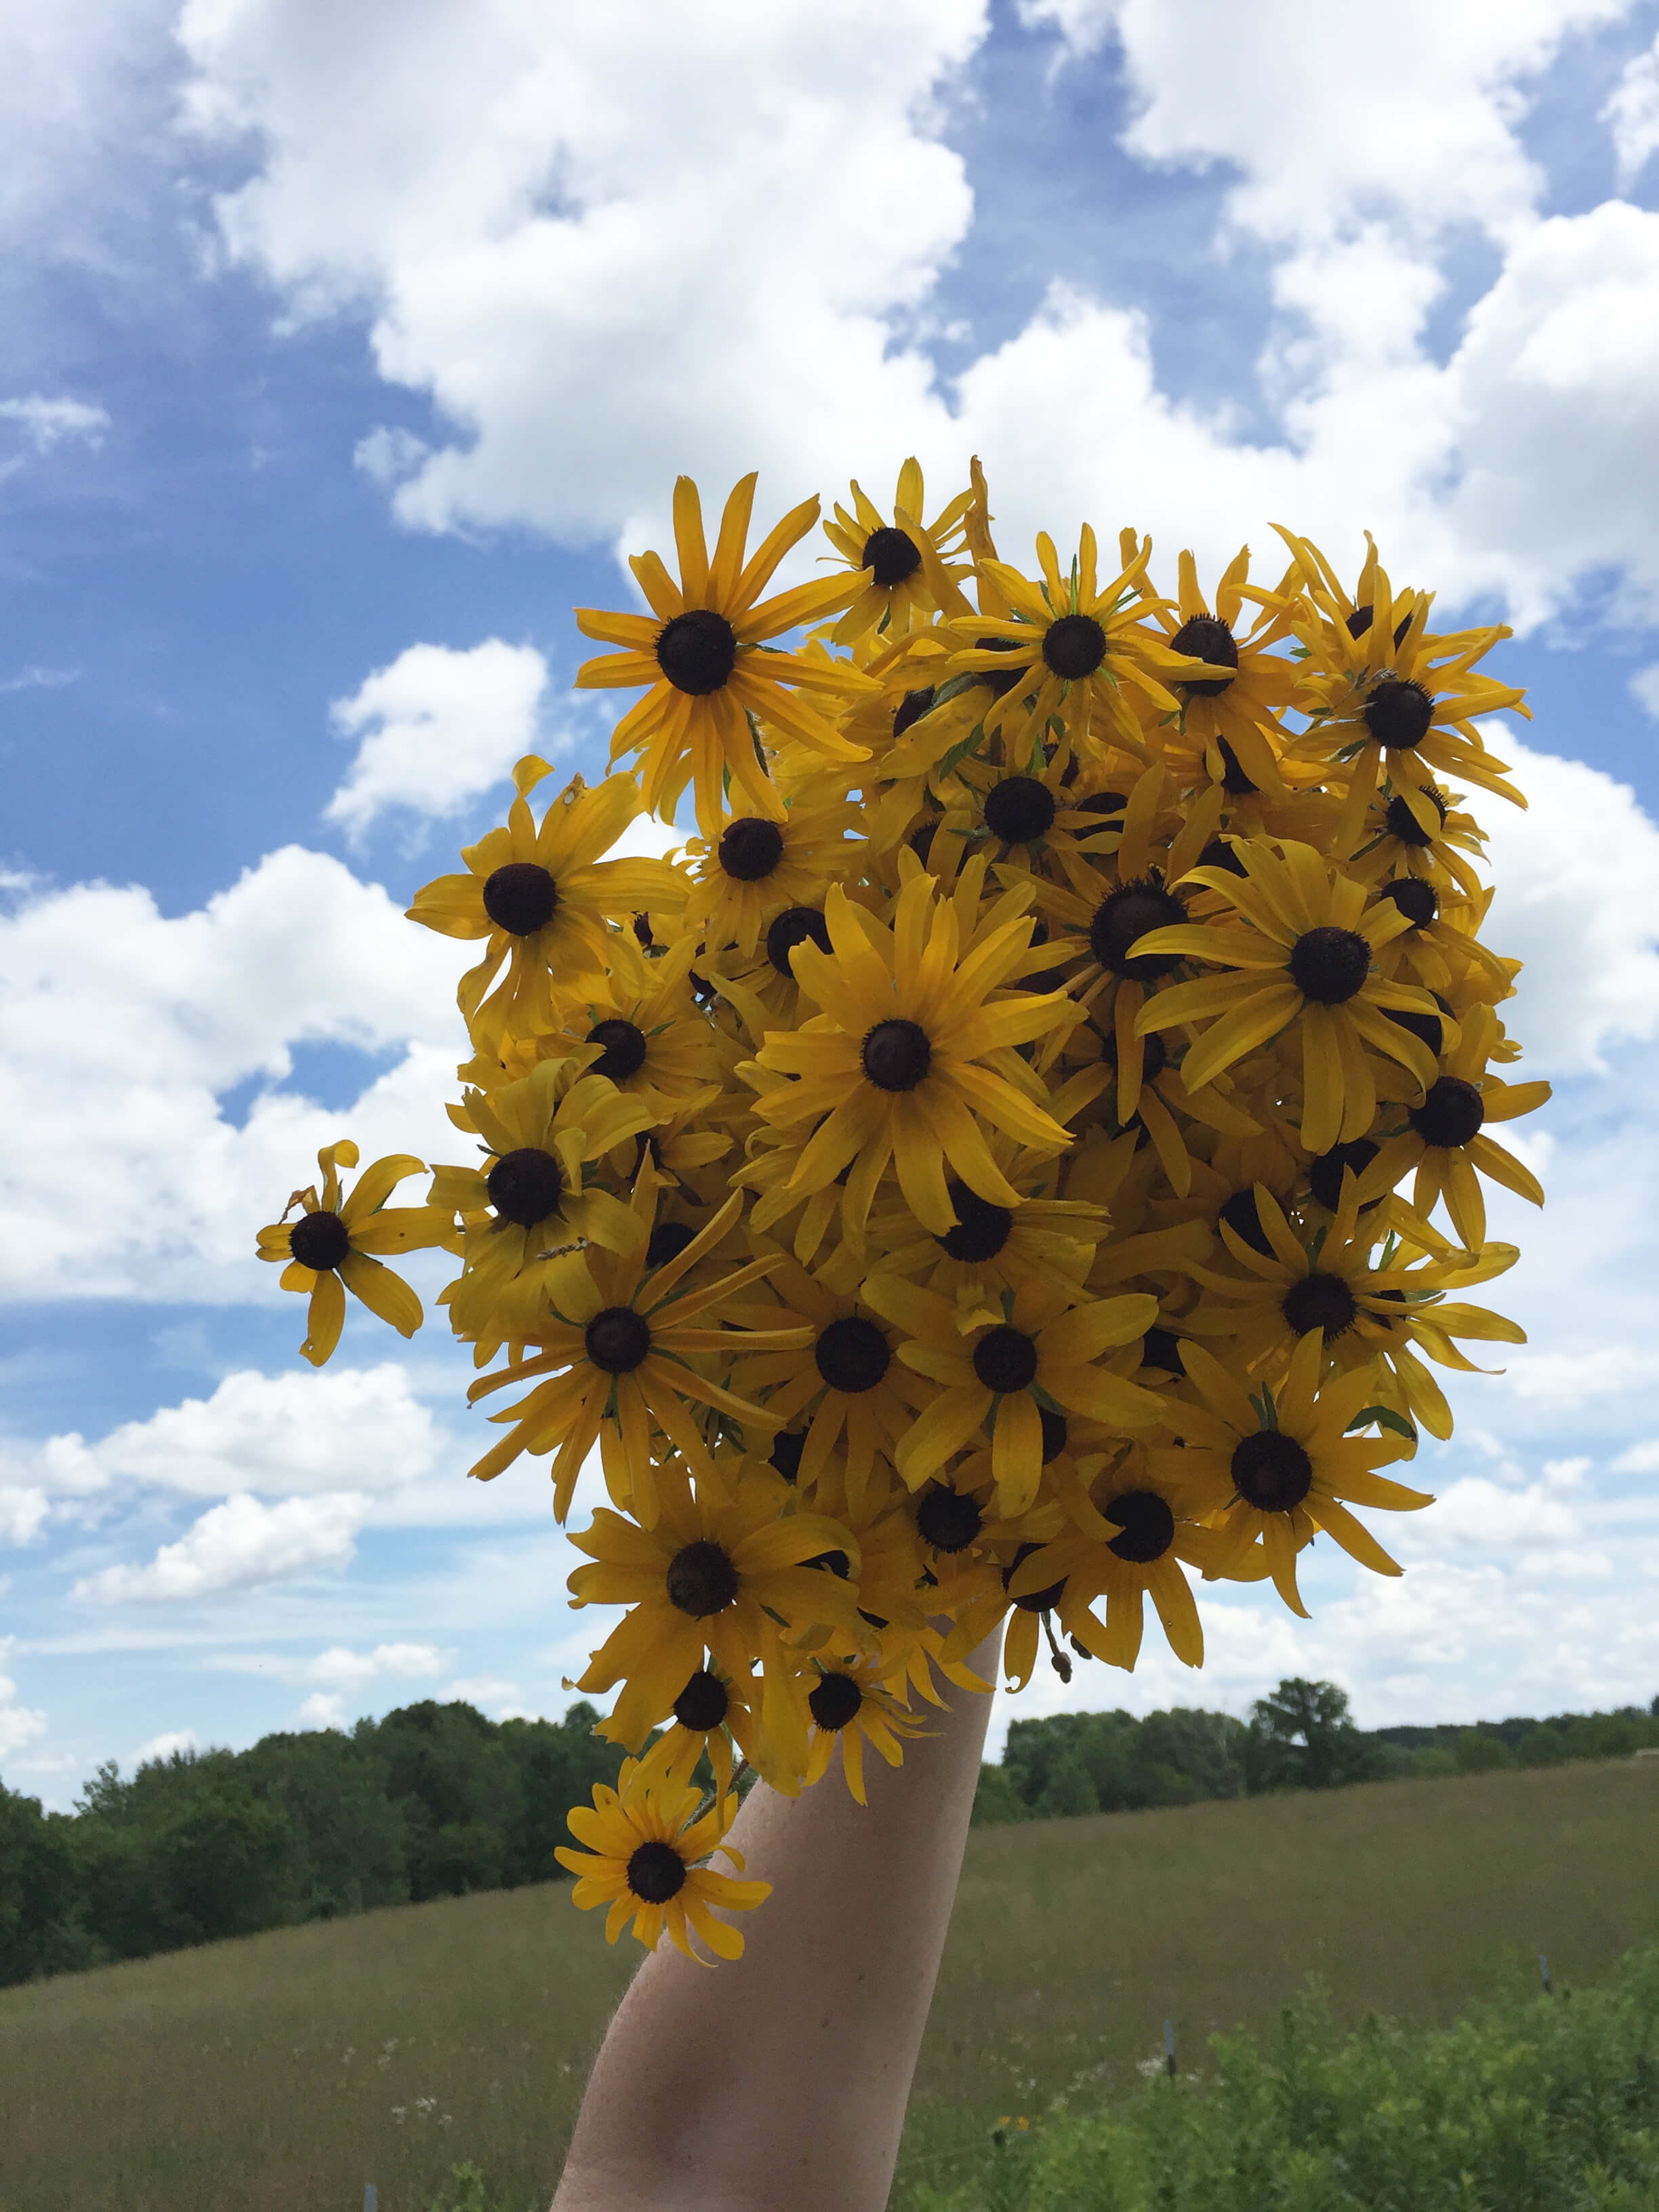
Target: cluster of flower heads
x=1022 y=1155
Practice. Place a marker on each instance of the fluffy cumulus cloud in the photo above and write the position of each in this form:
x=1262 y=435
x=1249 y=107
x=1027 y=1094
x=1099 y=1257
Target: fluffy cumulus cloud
x=436 y=728
x=1577 y=903
x=605 y=239
x=1632 y=114
x=345 y=1674
x=238 y=1545
x=20 y=1725
x=525 y=204
x=121 y=1028
x=297 y=1435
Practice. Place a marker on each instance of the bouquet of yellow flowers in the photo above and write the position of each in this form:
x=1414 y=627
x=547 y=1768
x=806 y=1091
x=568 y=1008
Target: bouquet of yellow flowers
x=1023 y=1153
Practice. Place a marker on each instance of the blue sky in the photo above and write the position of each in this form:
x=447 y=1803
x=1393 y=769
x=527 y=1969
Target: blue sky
x=339 y=357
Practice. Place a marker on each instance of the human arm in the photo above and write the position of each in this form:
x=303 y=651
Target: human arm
x=778 y=2083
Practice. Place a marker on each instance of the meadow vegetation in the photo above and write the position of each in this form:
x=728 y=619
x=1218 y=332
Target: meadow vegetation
x=289 y=2068
x=436 y=1801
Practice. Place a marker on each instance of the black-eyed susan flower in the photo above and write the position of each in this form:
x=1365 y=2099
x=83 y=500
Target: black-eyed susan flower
x=717 y=1573
x=331 y=1248
x=754 y=867
x=911 y=568
x=915 y=1043
x=535 y=1194
x=701 y=652
x=1286 y=1460
x=1301 y=950
x=851 y=1706
x=648 y=1859
x=626 y=1349
x=1070 y=645
x=1129 y=1532
x=999 y=1372
x=1445 y=1140
x=544 y=898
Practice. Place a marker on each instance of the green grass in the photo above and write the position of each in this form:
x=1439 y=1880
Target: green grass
x=271 y=2073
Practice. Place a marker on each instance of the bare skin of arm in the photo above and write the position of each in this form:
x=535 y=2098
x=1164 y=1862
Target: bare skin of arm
x=778 y=2083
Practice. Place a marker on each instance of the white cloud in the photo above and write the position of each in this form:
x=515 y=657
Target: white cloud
x=530 y=202
x=526 y=204
x=1638 y=1459
x=1632 y=114
x=34 y=678
x=323 y=1708
x=1577 y=901
x=120 y=1027
x=239 y=1545
x=20 y=1725
x=301 y=1434
x=436 y=729
x=1645 y=689
x=1435 y=144
x=45 y=422
x=165 y=1745
x=501 y=1700
x=341 y=1669
x=23 y=1510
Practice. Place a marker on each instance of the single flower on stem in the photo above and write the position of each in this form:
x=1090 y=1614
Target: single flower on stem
x=328 y=1249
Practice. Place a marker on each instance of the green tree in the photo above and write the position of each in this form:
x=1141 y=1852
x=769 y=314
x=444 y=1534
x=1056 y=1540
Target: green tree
x=37 y=1892
x=1302 y=1737
x=460 y=1792
x=1477 y=1753
x=997 y=1804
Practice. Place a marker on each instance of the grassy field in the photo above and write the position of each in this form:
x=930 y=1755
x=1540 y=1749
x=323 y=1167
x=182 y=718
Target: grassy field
x=286 y=2070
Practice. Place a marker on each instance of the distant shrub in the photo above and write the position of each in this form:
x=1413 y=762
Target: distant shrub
x=1535 y=2106
x=1477 y=1753
x=1543 y=1745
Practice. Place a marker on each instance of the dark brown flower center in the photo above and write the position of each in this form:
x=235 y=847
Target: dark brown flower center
x=1319 y=1301
x=1243 y=1216
x=1074 y=647
x=1039 y=1601
x=981 y=1229
x=796 y=925
x=702 y=1579
x=835 y=1702
x=703 y=1703
x=656 y=1872
x=1451 y=1114
x=617 y=1340
x=1206 y=637
x=787 y=1446
x=947 y=1520
x=1271 y=1471
x=1219 y=853
x=1161 y=1348
x=893 y=555
x=1416 y=898
x=1147 y=1524
x=896 y=1055
x=320 y=1241
x=667 y=1241
x=526 y=1186
x=1329 y=965
x=1404 y=825
x=750 y=848
x=622 y=1049
x=852 y=1355
x=1325 y=1174
x=1125 y=916
x=521 y=897
x=1362 y=618
x=1006 y=1358
x=1020 y=810
x=911 y=708
x=999 y=684
x=1398 y=714
x=1056 y=1429
x=697 y=651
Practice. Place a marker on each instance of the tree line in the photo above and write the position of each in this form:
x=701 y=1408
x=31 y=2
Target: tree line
x=437 y=1800
x=1301 y=1737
